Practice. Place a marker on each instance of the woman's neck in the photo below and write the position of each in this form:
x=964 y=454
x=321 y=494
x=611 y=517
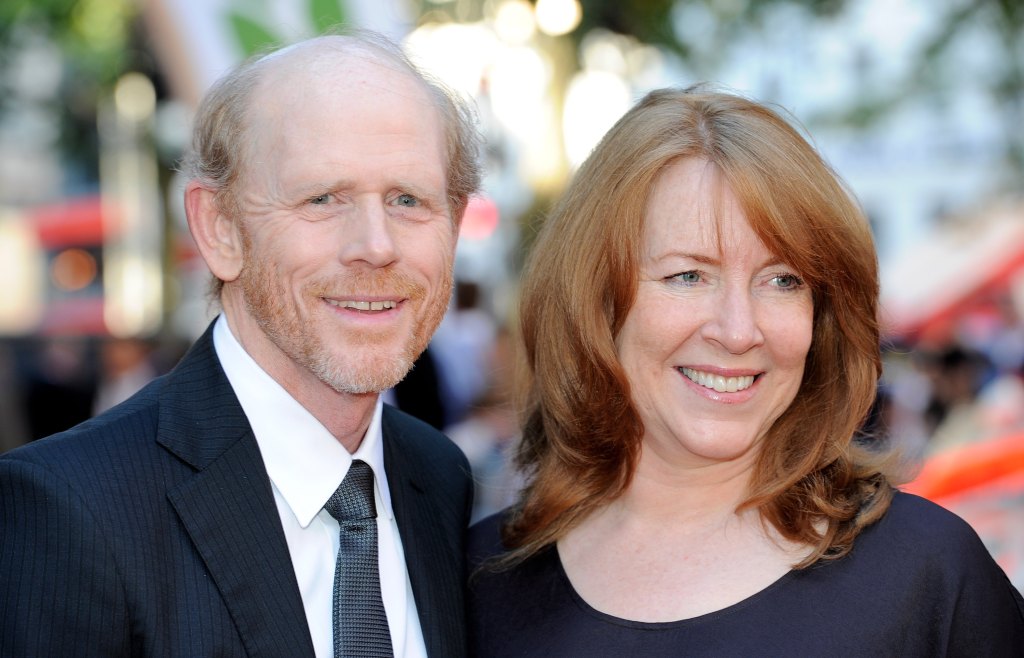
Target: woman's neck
x=669 y=491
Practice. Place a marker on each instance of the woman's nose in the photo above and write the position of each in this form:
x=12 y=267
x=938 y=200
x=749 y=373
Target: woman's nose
x=733 y=321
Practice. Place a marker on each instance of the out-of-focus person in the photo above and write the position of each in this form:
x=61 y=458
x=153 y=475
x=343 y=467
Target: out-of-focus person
x=462 y=348
x=699 y=318
x=59 y=384
x=125 y=367
x=489 y=434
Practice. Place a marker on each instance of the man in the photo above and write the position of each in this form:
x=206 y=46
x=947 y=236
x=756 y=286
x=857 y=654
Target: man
x=328 y=182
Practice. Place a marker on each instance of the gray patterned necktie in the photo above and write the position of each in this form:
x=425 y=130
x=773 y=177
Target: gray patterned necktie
x=360 y=623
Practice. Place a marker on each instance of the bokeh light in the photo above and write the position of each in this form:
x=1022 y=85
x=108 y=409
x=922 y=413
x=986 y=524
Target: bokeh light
x=558 y=17
x=73 y=269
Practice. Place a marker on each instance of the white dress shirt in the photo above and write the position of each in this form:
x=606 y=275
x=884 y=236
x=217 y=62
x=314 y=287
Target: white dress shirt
x=306 y=464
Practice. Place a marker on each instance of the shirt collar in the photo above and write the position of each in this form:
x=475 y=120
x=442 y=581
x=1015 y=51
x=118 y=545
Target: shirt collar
x=303 y=459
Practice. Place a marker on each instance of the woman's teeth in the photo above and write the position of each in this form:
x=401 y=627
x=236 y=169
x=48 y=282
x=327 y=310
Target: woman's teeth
x=717 y=382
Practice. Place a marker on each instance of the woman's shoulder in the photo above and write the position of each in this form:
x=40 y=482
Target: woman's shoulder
x=926 y=543
x=936 y=551
x=924 y=536
x=929 y=527
x=486 y=553
x=497 y=584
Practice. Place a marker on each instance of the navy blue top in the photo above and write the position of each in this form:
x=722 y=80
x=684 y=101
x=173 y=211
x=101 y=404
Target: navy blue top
x=919 y=582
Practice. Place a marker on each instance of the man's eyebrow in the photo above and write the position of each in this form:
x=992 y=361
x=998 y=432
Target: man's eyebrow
x=321 y=186
x=422 y=189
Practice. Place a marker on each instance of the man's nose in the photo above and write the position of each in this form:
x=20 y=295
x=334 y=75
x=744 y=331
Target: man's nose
x=366 y=235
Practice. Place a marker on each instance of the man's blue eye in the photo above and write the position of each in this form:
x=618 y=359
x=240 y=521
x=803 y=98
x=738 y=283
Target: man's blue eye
x=321 y=199
x=407 y=200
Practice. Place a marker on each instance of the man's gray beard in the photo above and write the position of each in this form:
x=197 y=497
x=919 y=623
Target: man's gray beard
x=345 y=378
x=264 y=304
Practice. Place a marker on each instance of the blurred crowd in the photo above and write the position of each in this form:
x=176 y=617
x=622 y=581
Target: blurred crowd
x=965 y=387
x=50 y=383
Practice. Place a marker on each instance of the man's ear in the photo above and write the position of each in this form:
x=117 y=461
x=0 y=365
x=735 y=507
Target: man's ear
x=216 y=235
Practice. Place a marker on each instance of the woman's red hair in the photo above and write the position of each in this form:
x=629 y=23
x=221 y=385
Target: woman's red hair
x=581 y=437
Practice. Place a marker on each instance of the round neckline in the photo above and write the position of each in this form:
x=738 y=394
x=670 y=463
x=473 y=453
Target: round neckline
x=663 y=625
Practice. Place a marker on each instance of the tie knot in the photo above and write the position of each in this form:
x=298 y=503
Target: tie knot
x=353 y=499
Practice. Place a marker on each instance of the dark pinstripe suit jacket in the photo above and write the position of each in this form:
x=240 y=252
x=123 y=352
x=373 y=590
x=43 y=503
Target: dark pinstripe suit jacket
x=151 y=530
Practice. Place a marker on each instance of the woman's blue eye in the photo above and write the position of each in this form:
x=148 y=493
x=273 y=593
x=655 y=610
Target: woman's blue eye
x=787 y=281
x=407 y=200
x=688 y=277
x=321 y=199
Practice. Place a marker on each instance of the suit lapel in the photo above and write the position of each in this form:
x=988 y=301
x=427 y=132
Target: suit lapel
x=427 y=541
x=228 y=507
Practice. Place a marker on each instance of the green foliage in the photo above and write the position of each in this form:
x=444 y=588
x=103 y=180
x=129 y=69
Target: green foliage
x=327 y=14
x=15 y=12
x=254 y=36
x=96 y=45
x=94 y=34
x=650 y=21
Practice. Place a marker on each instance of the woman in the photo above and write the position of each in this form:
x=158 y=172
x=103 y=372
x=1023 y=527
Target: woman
x=701 y=343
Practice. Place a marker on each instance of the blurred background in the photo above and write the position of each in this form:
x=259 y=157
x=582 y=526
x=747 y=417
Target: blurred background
x=918 y=104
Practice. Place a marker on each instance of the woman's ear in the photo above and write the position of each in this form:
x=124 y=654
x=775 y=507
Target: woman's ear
x=216 y=235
